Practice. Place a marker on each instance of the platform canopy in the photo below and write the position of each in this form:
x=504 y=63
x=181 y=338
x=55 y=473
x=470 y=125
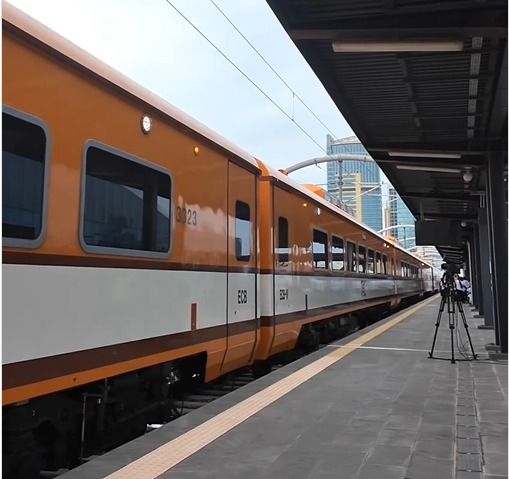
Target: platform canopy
x=423 y=84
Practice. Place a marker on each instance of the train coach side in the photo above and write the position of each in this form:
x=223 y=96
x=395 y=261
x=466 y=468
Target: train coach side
x=319 y=263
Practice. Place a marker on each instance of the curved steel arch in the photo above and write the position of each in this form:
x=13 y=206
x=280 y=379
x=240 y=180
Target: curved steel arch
x=325 y=159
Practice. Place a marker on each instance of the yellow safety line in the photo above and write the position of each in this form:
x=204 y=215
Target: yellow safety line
x=170 y=454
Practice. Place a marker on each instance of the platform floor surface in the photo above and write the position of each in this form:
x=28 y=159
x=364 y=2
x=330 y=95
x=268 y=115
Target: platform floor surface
x=384 y=411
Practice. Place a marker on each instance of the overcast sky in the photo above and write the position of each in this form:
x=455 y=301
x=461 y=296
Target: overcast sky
x=148 y=41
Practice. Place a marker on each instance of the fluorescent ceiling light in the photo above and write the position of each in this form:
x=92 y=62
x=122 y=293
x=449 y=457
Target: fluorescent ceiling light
x=355 y=46
x=436 y=169
x=423 y=154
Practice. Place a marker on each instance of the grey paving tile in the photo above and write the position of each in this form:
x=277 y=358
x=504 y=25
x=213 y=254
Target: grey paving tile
x=422 y=467
x=399 y=421
x=437 y=449
x=389 y=455
x=355 y=441
x=439 y=406
x=493 y=429
x=466 y=402
x=468 y=475
x=371 y=471
x=396 y=437
x=469 y=462
x=435 y=432
x=447 y=418
x=497 y=416
x=467 y=432
x=345 y=462
x=468 y=446
x=496 y=444
x=466 y=420
x=296 y=466
x=328 y=475
x=371 y=425
x=495 y=463
x=466 y=411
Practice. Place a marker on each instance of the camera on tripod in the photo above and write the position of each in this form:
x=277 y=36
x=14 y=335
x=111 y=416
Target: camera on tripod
x=450 y=269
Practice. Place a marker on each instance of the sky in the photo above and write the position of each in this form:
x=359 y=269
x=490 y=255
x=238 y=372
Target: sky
x=153 y=44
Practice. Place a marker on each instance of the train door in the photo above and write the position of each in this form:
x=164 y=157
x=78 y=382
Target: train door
x=242 y=263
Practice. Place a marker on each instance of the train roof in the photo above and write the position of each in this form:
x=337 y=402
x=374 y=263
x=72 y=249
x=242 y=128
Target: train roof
x=303 y=190
x=96 y=67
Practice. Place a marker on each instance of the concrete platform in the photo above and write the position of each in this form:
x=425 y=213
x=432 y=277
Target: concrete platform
x=371 y=406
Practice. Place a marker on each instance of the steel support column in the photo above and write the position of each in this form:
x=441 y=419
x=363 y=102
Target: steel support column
x=485 y=260
x=476 y=281
x=497 y=223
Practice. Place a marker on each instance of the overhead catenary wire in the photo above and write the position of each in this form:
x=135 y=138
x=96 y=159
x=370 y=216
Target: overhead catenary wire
x=247 y=77
x=295 y=95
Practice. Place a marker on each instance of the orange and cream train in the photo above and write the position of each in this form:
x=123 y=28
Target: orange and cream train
x=140 y=250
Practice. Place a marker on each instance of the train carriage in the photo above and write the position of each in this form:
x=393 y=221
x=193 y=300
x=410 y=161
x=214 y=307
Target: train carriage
x=318 y=262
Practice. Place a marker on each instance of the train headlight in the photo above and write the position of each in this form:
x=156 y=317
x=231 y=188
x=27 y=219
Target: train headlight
x=146 y=124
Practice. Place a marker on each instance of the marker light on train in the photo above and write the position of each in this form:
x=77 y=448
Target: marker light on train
x=196 y=150
x=146 y=124
x=304 y=205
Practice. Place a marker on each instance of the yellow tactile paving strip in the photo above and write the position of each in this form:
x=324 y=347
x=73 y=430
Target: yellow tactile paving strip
x=170 y=454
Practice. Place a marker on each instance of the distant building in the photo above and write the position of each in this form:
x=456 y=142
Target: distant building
x=355 y=181
x=401 y=215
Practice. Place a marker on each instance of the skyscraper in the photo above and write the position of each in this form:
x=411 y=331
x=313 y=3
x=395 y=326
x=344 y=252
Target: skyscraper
x=356 y=180
x=401 y=216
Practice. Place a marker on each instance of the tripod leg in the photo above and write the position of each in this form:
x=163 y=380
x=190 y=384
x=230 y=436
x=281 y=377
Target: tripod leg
x=437 y=324
x=465 y=324
x=451 y=311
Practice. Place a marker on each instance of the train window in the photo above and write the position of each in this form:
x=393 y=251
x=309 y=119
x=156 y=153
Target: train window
x=361 y=258
x=352 y=256
x=338 y=254
x=24 y=179
x=371 y=261
x=283 y=250
x=242 y=231
x=378 y=257
x=320 y=250
x=384 y=264
x=126 y=205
